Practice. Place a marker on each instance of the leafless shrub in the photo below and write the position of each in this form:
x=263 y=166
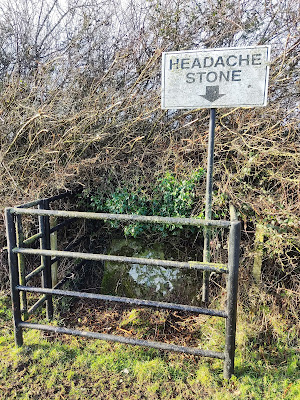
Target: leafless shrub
x=80 y=101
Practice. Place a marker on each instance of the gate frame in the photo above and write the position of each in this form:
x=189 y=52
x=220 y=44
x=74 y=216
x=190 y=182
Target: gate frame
x=17 y=247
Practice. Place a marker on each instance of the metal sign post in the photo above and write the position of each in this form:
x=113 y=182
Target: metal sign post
x=214 y=78
x=208 y=200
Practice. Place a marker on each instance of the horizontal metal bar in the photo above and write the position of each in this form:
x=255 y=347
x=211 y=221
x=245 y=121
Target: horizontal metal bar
x=125 y=340
x=127 y=300
x=212 y=267
x=62 y=195
x=30 y=204
x=124 y=217
x=34 y=273
x=49 y=199
x=36 y=305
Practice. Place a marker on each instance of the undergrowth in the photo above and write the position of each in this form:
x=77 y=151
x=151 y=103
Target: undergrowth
x=167 y=196
x=64 y=367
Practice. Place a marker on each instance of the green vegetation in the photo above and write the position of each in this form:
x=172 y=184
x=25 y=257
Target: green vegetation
x=75 y=368
x=168 y=197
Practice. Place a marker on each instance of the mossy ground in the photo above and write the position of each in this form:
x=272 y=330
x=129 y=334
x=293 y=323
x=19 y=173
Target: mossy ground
x=65 y=367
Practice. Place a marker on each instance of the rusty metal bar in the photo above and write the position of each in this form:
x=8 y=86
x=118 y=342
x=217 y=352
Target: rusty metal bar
x=232 y=288
x=127 y=300
x=219 y=268
x=126 y=340
x=14 y=276
x=124 y=217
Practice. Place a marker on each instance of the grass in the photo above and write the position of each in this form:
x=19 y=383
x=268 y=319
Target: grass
x=68 y=367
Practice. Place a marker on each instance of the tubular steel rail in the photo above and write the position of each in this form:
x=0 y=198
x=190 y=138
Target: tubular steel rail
x=18 y=247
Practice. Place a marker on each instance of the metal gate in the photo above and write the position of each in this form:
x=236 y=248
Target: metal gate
x=18 y=246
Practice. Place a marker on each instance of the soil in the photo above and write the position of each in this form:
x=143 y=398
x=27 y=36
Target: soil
x=174 y=327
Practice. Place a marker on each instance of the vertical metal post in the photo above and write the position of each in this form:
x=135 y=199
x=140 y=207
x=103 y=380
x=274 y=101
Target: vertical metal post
x=14 y=275
x=232 y=287
x=208 y=201
x=44 y=225
x=21 y=263
x=53 y=245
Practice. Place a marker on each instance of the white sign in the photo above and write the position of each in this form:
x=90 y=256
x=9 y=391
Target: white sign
x=213 y=78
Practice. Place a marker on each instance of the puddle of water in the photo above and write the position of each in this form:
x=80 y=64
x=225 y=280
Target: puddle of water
x=149 y=282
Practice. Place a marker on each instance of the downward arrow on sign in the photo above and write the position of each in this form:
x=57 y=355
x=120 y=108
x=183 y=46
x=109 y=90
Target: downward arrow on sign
x=212 y=93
